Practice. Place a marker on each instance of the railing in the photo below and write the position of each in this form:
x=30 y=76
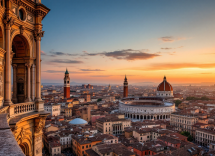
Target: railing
x=22 y=108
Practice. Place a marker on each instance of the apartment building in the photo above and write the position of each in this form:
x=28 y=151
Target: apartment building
x=54 y=109
x=205 y=136
x=183 y=121
x=112 y=125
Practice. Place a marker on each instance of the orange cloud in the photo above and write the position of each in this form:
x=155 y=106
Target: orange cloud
x=171 y=39
x=171 y=66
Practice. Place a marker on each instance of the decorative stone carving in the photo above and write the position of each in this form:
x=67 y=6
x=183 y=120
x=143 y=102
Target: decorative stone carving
x=40 y=125
x=38 y=34
x=22 y=28
x=8 y=21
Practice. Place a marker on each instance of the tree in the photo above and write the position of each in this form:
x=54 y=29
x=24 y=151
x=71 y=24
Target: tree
x=177 y=102
x=187 y=134
x=99 y=100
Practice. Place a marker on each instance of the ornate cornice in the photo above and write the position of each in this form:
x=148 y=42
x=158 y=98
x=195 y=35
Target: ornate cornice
x=33 y=7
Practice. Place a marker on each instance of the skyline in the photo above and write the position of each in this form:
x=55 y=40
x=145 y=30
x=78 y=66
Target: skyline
x=101 y=46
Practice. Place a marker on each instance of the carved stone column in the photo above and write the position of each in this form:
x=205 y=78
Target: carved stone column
x=28 y=99
x=33 y=82
x=39 y=103
x=8 y=24
x=14 y=84
x=37 y=35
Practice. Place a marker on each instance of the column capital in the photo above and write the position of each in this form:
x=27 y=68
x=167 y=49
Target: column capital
x=9 y=22
x=28 y=65
x=33 y=65
x=14 y=65
x=38 y=34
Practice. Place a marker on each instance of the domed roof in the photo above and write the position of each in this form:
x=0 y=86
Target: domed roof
x=78 y=121
x=164 y=86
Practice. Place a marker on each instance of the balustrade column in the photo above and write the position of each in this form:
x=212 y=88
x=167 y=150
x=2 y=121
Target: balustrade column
x=14 y=84
x=28 y=99
x=8 y=21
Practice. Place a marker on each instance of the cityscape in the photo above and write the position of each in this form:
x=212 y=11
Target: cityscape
x=107 y=78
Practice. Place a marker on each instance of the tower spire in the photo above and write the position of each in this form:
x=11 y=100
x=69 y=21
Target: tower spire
x=66 y=71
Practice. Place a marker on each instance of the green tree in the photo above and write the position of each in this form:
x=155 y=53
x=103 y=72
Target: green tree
x=177 y=102
x=187 y=134
x=99 y=100
x=204 y=98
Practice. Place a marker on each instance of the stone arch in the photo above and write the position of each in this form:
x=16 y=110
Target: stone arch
x=25 y=37
x=160 y=116
x=25 y=148
x=141 y=117
x=163 y=116
x=134 y=116
x=138 y=117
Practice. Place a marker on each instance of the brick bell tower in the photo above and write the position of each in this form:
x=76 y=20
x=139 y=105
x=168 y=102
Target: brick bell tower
x=66 y=85
x=125 y=93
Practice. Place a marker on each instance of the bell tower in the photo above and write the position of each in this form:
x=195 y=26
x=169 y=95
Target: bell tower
x=125 y=93
x=66 y=85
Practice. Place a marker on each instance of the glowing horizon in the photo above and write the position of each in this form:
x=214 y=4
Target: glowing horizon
x=100 y=45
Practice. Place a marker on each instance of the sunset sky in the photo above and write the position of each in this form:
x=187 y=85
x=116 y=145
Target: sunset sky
x=100 y=41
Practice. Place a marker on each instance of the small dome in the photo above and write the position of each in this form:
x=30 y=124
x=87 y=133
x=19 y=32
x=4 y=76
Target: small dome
x=164 y=86
x=78 y=121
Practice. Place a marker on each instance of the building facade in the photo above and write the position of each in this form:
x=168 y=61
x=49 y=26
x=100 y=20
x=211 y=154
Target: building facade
x=146 y=108
x=20 y=39
x=112 y=125
x=205 y=136
x=183 y=121
x=54 y=109
x=66 y=85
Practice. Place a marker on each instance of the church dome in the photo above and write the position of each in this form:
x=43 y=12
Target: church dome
x=164 y=86
x=78 y=121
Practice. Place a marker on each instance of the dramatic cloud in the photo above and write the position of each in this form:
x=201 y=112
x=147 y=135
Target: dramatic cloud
x=58 y=71
x=91 y=70
x=65 y=61
x=127 y=54
x=171 y=39
x=61 y=54
x=171 y=48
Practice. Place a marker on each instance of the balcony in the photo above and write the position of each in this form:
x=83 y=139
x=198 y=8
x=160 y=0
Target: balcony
x=22 y=108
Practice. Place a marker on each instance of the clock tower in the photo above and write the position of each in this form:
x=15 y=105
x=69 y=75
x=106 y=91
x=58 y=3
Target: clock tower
x=66 y=85
x=125 y=93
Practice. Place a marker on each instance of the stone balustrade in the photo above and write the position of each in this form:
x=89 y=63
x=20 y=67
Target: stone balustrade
x=22 y=108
